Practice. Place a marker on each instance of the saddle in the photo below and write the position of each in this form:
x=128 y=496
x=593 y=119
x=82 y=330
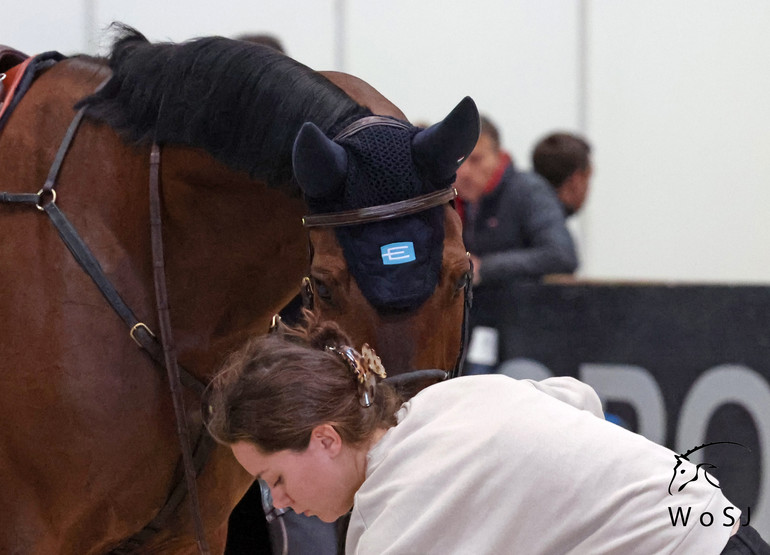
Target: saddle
x=12 y=65
x=17 y=71
x=10 y=57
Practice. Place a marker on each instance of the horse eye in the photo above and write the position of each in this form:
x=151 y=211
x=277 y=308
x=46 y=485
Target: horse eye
x=322 y=290
x=463 y=281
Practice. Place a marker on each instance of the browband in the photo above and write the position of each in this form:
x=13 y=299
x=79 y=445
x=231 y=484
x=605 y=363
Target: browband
x=369 y=121
x=381 y=212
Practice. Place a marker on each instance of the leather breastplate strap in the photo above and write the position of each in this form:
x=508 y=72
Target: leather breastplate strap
x=45 y=200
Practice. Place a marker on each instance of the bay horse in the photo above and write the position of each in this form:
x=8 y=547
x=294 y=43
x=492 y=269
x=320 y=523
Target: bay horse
x=88 y=447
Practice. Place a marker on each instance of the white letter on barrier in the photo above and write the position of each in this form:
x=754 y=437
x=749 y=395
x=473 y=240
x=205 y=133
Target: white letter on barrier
x=524 y=369
x=633 y=385
x=730 y=383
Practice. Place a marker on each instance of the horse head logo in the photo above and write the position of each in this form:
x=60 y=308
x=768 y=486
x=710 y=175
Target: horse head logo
x=685 y=474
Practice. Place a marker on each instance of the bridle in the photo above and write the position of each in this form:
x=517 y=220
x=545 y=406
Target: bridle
x=382 y=212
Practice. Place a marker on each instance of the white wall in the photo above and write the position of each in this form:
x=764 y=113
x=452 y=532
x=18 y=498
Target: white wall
x=516 y=59
x=681 y=122
x=305 y=27
x=672 y=93
x=40 y=25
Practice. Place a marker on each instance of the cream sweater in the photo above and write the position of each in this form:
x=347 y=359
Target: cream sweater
x=492 y=465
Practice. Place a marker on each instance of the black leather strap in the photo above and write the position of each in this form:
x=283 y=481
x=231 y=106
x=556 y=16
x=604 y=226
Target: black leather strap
x=64 y=147
x=83 y=255
x=45 y=200
x=19 y=198
x=169 y=350
x=134 y=544
x=467 y=303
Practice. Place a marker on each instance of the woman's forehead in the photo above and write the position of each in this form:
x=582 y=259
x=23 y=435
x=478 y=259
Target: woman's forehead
x=250 y=458
x=258 y=463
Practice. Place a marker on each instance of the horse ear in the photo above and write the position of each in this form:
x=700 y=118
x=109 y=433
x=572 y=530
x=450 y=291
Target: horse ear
x=441 y=148
x=320 y=164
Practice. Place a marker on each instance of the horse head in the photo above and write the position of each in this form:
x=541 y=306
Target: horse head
x=392 y=279
x=686 y=472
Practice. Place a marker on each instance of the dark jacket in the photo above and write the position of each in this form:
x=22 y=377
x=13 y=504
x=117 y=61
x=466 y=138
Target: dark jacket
x=518 y=231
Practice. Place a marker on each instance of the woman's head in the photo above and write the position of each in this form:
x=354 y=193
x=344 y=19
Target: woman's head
x=279 y=387
x=294 y=416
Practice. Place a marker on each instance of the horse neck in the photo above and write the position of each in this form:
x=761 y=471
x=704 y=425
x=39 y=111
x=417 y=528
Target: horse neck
x=235 y=253
x=235 y=249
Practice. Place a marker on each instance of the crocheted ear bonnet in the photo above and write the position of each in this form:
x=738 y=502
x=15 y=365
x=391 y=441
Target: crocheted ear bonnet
x=375 y=161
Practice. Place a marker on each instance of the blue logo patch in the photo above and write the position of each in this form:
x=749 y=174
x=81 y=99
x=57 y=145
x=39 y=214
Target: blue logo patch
x=398 y=253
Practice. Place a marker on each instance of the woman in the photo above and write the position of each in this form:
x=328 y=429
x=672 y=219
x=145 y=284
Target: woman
x=477 y=464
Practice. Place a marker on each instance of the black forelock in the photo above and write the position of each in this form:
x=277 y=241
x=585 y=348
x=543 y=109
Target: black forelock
x=242 y=102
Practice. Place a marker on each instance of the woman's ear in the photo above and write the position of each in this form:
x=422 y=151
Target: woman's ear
x=326 y=439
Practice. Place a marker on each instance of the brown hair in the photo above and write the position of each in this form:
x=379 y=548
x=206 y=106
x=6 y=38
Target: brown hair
x=490 y=129
x=559 y=155
x=278 y=387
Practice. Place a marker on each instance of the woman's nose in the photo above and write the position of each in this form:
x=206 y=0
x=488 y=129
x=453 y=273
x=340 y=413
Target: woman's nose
x=280 y=499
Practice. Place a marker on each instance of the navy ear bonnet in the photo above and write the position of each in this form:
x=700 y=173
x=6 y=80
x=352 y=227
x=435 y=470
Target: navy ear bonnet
x=396 y=263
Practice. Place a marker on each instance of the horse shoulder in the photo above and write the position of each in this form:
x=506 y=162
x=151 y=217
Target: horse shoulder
x=363 y=93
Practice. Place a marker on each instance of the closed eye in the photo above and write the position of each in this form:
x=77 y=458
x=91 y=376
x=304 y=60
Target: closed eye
x=463 y=281
x=322 y=290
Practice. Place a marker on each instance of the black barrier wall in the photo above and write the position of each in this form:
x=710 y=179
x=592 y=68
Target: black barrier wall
x=682 y=365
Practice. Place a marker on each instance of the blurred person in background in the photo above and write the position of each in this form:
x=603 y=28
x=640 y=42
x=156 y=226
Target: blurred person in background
x=515 y=231
x=564 y=159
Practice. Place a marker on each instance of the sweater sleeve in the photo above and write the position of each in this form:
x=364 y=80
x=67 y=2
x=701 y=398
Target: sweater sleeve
x=551 y=249
x=571 y=391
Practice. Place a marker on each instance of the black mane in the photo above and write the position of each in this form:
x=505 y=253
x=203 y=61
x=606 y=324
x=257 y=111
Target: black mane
x=242 y=102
